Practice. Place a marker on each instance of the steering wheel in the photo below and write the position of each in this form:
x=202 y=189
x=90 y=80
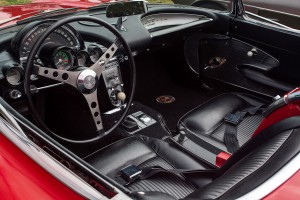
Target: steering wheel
x=85 y=81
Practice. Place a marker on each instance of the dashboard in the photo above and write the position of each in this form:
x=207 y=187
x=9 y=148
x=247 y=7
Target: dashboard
x=64 y=49
x=78 y=45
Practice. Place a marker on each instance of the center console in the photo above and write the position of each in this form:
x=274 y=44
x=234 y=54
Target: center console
x=113 y=81
x=213 y=155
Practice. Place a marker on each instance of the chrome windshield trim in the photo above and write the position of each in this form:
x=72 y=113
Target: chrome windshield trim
x=48 y=163
x=275 y=181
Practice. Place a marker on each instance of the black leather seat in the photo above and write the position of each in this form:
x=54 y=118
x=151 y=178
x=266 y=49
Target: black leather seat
x=207 y=120
x=250 y=166
x=145 y=152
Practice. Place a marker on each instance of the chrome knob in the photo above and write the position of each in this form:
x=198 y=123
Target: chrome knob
x=15 y=94
x=121 y=96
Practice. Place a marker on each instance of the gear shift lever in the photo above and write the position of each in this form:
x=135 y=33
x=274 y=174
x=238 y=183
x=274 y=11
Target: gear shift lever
x=129 y=124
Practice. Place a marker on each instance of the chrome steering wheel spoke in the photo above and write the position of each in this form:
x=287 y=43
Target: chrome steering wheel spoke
x=105 y=58
x=68 y=77
x=93 y=104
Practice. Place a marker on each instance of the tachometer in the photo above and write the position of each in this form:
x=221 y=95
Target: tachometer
x=63 y=59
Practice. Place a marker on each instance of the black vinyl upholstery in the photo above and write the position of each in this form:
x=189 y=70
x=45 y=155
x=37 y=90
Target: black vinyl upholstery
x=168 y=183
x=207 y=120
x=144 y=151
x=236 y=176
x=251 y=165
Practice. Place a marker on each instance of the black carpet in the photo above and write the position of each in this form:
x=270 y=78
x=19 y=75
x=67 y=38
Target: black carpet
x=154 y=79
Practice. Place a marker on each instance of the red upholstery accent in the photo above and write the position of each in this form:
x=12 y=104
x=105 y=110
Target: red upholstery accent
x=289 y=110
x=222 y=158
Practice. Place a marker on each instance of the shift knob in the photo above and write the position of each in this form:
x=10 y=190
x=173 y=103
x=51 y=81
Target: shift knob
x=121 y=96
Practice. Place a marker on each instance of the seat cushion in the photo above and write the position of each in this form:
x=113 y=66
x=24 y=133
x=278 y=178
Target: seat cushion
x=208 y=119
x=252 y=165
x=147 y=152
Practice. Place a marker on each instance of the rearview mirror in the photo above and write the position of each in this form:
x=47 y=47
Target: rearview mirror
x=122 y=9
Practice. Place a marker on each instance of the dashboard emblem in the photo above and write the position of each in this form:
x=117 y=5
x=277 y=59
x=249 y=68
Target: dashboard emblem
x=165 y=99
x=89 y=82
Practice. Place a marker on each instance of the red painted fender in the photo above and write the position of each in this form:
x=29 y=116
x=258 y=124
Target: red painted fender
x=288 y=191
x=21 y=178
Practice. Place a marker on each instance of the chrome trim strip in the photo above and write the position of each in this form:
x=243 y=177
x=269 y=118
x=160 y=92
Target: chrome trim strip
x=275 y=181
x=48 y=163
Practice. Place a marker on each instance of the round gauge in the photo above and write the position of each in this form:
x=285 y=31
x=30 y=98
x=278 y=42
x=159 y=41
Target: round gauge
x=82 y=58
x=95 y=53
x=14 y=76
x=63 y=36
x=63 y=59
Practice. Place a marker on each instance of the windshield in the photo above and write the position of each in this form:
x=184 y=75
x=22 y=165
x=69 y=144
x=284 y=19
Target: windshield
x=12 y=11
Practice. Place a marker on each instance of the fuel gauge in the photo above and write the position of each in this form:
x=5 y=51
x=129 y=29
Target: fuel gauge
x=83 y=59
x=95 y=53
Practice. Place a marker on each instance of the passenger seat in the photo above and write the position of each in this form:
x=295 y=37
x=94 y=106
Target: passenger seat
x=207 y=120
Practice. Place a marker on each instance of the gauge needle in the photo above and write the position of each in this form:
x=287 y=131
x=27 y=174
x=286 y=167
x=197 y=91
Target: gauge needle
x=59 y=61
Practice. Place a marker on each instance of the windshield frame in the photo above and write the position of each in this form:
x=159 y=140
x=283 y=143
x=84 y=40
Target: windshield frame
x=264 y=22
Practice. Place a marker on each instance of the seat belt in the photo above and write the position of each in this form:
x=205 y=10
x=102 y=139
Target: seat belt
x=132 y=173
x=279 y=127
x=230 y=135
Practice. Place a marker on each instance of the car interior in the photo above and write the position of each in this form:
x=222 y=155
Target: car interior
x=160 y=101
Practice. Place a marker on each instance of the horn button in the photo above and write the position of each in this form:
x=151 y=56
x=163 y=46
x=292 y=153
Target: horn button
x=87 y=81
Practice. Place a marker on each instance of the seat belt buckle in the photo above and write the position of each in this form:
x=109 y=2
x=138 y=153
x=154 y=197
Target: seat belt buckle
x=233 y=118
x=130 y=173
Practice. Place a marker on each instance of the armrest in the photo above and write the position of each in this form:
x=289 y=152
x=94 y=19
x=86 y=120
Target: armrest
x=259 y=77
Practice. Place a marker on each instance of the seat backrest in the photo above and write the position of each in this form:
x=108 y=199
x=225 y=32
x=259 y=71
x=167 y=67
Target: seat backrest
x=254 y=162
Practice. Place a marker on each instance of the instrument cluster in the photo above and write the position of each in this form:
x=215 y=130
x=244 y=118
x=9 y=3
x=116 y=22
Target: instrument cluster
x=67 y=58
x=63 y=49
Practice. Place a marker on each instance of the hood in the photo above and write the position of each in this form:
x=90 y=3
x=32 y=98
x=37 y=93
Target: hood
x=11 y=14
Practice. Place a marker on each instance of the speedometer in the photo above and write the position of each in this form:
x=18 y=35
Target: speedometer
x=65 y=36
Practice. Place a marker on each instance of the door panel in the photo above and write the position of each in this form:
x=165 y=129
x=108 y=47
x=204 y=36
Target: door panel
x=281 y=44
x=233 y=61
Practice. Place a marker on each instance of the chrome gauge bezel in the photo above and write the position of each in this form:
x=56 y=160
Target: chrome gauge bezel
x=66 y=50
x=35 y=31
x=97 y=49
x=19 y=72
x=86 y=56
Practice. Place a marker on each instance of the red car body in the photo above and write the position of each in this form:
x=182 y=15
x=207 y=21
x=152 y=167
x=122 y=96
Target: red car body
x=22 y=178
x=15 y=13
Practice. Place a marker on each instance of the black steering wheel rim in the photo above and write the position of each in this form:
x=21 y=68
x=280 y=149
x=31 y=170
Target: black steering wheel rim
x=29 y=66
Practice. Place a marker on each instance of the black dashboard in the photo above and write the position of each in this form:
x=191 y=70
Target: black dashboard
x=80 y=44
